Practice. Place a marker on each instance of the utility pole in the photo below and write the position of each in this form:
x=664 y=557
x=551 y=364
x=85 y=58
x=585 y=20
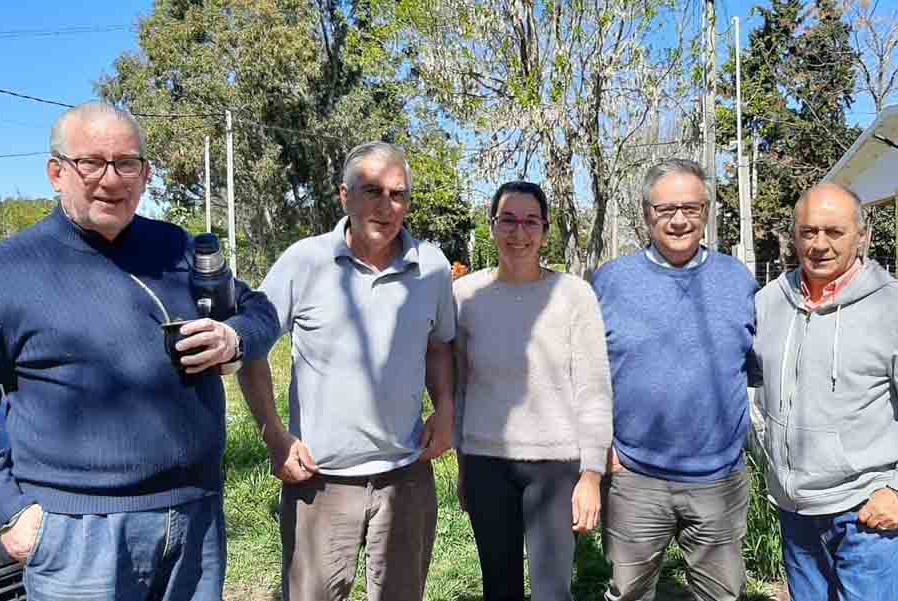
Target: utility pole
x=746 y=229
x=708 y=110
x=208 y=188
x=754 y=168
x=232 y=222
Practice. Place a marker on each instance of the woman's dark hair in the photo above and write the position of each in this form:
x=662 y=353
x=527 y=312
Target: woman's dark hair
x=521 y=187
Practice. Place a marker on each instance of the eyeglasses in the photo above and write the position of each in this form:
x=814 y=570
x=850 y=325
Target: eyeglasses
x=506 y=224
x=94 y=168
x=666 y=211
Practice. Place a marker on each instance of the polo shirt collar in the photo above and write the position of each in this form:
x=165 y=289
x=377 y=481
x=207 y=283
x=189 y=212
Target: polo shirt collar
x=407 y=256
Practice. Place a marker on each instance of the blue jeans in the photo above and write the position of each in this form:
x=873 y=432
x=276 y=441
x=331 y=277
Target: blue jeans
x=175 y=554
x=836 y=558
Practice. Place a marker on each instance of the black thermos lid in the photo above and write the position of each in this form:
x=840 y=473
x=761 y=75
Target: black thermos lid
x=206 y=244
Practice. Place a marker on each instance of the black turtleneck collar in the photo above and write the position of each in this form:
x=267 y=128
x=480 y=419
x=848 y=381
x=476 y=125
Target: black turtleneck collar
x=72 y=234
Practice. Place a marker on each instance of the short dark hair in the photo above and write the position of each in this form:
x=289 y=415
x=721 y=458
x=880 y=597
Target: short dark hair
x=521 y=187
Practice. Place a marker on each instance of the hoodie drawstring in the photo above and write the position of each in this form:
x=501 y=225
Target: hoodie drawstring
x=835 y=372
x=785 y=358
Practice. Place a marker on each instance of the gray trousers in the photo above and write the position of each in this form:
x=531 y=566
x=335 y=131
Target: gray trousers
x=326 y=520
x=640 y=517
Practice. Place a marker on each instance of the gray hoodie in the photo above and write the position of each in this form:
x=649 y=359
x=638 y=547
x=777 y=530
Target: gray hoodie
x=831 y=406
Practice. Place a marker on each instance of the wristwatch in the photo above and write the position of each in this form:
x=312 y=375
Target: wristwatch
x=238 y=354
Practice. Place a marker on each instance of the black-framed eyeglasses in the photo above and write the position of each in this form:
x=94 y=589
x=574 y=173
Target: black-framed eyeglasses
x=666 y=211
x=508 y=224
x=94 y=168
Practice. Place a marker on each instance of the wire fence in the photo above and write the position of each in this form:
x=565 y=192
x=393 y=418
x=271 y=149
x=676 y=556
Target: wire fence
x=769 y=271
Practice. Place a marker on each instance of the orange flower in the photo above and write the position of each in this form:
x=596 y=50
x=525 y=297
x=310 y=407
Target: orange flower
x=459 y=270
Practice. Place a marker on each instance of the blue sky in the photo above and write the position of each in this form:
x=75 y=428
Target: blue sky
x=41 y=56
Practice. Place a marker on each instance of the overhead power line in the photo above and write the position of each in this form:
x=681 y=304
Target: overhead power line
x=66 y=105
x=23 y=154
x=35 y=98
x=16 y=34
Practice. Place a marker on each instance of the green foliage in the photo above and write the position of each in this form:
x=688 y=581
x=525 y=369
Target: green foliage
x=16 y=214
x=305 y=82
x=882 y=221
x=438 y=213
x=763 y=544
x=485 y=253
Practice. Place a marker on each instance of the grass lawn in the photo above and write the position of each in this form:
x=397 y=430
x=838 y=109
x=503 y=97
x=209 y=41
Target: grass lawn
x=254 y=550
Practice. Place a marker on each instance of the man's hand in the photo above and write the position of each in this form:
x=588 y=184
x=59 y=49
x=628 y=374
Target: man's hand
x=881 y=511
x=291 y=460
x=19 y=539
x=585 y=502
x=218 y=341
x=437 y=435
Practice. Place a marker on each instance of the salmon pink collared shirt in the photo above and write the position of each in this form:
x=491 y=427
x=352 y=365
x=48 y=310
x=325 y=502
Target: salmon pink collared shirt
x=831 y=290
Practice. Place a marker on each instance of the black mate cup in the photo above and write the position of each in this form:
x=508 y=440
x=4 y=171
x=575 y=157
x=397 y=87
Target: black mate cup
x=172 y=333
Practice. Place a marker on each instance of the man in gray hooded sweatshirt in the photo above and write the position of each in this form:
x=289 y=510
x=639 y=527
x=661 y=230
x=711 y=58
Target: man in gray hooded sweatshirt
x=827 y=347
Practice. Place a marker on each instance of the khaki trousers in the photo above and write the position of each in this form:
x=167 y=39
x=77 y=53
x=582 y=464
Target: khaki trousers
x=326 y=520
x=641 y=515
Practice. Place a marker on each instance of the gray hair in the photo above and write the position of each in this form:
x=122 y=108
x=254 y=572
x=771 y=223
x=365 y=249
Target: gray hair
x=90 y=112
x=859 y=218
x=668 y=167
x=390 y=153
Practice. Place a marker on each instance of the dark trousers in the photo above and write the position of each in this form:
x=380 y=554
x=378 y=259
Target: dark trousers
x=510 y=500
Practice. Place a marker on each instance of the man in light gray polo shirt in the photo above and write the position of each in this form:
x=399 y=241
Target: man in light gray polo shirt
x=371 y=315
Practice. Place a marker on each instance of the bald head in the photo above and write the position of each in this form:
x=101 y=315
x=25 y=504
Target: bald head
x=829 y=234
x=835 y=193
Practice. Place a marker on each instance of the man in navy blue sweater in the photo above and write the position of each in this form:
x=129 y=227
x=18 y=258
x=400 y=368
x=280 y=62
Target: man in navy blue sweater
x=679 y=321
x=110 y=483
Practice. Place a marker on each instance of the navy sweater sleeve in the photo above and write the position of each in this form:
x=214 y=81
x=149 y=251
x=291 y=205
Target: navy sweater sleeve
x=256 y=321
x=12 y=499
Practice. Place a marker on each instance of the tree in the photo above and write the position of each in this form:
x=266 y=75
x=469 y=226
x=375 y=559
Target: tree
x=549 y=90
x=875 y=42
x=306 y=80
x=798 y=82
x=438 y=212
x=17 y=213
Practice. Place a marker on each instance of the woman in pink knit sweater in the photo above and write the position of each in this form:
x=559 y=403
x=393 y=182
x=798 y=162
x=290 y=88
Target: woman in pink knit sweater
x=533 y=406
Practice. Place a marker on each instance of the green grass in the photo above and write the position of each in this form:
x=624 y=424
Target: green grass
x=254 y=549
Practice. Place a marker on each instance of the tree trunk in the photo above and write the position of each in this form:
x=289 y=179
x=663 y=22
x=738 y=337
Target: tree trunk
x=560 y=174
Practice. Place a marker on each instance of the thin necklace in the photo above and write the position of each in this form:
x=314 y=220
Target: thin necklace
x=520 y=294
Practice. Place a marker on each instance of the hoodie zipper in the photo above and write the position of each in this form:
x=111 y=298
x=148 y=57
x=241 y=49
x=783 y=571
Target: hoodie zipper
x=798 y=353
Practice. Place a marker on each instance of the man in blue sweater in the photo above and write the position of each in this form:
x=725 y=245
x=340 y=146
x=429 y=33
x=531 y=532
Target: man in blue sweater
x=679 y=321
x=110 y=484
